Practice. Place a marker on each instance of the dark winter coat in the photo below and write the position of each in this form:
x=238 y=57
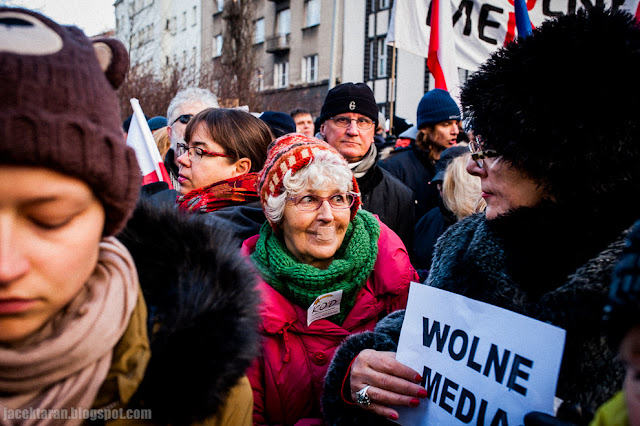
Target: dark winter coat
x=548 y=279
x=202 y=318
x=428 y=229
x=391 y=200
x=413 y=167
x=243 y=220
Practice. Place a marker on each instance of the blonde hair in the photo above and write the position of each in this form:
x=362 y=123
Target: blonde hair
x=161 y=136
x=461 y=192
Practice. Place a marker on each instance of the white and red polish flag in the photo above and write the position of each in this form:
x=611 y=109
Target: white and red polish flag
x=414 y=29
x=141 y=140
x=442 y=49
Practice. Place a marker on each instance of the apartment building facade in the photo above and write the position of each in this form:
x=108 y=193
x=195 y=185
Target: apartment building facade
x=301 y=47
x=293 y=50
x=161 y=34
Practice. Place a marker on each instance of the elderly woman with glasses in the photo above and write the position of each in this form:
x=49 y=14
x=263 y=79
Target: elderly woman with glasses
x=328 y=270
x=558 y=166
x=224 y=150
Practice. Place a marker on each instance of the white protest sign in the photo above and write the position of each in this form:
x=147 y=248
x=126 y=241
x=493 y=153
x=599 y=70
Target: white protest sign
x=480 y=26
x=481 y=364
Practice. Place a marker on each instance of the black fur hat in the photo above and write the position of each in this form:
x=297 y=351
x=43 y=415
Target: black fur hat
x=553 y=105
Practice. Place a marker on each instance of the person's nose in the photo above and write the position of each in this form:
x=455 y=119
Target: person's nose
x=13 y=262
x=475 y=170
x=184 y=159
x=352 y=128
x=325 y=212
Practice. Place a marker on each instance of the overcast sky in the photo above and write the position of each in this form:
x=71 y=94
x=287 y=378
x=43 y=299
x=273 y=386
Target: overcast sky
x=92 y=16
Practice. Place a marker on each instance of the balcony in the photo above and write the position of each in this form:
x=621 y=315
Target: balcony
x=279 y=43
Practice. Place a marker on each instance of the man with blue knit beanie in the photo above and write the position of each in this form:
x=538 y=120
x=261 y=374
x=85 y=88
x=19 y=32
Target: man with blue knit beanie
x=438 y=121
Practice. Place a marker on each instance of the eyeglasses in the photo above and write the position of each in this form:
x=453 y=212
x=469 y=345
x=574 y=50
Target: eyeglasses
x=196 y=153
x=310 y=202
x=479 y=155
x=184 y=119
x=363 y=123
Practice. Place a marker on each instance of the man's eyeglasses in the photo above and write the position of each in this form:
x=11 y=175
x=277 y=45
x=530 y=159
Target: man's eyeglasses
x=196 y=153
x=310 y=202
x=184 y=118
x=363 y=123
x=479 y=155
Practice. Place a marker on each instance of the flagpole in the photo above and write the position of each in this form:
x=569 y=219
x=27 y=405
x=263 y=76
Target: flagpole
x=393 y=89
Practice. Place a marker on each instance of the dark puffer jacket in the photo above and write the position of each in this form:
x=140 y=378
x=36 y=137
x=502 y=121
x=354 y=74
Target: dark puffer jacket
x=391 y=200
x=202 y=306
x=561 y=276
x=412 y=166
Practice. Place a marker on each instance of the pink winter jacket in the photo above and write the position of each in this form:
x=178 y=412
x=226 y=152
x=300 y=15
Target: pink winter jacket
x=288 y=375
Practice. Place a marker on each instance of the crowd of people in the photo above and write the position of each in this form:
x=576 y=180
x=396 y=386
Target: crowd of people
x=266 y=283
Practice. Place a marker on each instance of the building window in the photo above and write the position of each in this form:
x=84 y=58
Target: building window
x=217 y=46
x=184 y=20
x=258 y=31
x=194 y=14
x=312 y=12
x=310 y=69
x=281 y=75
x=260 y=79
x=383 y=4
x=283 y=22
x=382 y=58
x=372 y=60
x=220 y=5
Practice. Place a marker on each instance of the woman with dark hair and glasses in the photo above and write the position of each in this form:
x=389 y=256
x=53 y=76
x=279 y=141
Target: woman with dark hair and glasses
x=327 y=269
x=219 y=160
x=559 y=166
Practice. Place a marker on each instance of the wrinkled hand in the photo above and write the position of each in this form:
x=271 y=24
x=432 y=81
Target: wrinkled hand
x=392 y=383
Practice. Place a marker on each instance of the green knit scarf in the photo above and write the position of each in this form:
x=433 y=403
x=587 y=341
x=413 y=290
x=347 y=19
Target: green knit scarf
x=302 y=284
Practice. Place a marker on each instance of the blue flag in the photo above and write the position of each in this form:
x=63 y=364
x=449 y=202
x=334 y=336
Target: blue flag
x=522 y=18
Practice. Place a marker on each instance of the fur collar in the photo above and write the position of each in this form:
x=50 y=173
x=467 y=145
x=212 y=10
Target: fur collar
x=202 y=311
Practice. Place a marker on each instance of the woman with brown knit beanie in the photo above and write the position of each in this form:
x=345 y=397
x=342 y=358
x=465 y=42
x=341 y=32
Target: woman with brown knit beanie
x=94 y=327
x=328 y=270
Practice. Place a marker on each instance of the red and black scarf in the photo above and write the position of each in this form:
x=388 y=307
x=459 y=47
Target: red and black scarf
x=230 y=192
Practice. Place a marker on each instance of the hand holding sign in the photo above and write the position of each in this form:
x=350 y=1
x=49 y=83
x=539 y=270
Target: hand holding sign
x=392 y=383
x=480 y=363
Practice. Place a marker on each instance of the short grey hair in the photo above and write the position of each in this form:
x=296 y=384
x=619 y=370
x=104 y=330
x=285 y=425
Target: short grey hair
x=191 y=95
x=326 y=168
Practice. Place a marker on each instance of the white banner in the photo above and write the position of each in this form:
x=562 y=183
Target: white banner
x=480 y=26
x=480 y=364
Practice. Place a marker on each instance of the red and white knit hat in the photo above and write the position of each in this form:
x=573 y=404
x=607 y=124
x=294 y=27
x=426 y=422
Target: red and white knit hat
x=292 y=152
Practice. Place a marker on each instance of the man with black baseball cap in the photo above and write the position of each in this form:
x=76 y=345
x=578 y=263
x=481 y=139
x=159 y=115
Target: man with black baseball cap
x=348 y=120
